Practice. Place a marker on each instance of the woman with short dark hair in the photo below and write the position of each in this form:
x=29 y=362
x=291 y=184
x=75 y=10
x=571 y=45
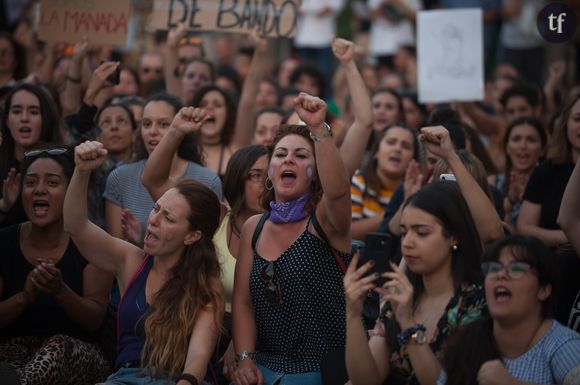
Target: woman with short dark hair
x=520 y=342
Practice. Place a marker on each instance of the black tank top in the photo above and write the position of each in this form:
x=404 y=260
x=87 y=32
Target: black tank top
x=293 y=336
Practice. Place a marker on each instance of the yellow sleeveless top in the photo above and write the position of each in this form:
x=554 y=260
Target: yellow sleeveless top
x=226 y=259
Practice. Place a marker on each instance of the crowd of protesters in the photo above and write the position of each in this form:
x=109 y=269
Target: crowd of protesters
x=204 y=208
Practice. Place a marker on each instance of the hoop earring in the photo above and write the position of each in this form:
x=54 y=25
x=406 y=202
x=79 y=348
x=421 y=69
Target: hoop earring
x=269 y=186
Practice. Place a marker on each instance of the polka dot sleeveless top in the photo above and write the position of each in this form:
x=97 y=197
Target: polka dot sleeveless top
x=293 y=334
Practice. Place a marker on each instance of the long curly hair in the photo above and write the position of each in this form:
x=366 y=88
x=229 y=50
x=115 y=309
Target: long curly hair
x=191 y=288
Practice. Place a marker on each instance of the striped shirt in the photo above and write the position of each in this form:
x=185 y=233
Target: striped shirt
x=366 y=203
x=555 y=359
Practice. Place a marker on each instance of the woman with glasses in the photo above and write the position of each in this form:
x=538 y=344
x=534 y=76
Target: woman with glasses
x=426 y=301
x=51 y=300
x=171 y=304
x=520 y=342
x=29 y=118
x=287 y=310
x=243 y=188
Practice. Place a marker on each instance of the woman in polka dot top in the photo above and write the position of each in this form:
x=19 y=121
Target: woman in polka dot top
x=288 y=305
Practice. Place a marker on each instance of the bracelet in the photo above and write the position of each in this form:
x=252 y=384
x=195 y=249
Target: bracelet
x=325 y=134
x=73 y=80
x=246 y=354
x=189 y=378
x=416 y=334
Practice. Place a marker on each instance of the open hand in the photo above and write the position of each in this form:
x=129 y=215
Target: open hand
x=131 y=227
x=10 y=190
x=413 y=179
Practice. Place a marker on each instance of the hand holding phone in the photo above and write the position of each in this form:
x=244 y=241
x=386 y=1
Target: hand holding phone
x=115 y=77
x=378 y=248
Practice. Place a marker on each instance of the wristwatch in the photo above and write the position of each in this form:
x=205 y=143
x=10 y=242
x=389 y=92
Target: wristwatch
x=246 y=354
x=325 y=134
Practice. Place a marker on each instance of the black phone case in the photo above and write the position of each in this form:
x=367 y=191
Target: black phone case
x=378 y=248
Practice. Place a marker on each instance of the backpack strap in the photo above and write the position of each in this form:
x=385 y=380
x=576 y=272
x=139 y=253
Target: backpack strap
x=258 y=229
x=323 y=236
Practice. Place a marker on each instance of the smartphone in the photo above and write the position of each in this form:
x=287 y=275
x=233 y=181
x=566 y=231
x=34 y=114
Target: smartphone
x=115 y=77
x=378 y=248
x=447 y=177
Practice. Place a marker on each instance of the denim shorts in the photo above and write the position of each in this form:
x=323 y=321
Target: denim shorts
x=274 y=378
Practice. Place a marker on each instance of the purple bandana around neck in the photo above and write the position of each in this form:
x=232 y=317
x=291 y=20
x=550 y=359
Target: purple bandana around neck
x=288 y=212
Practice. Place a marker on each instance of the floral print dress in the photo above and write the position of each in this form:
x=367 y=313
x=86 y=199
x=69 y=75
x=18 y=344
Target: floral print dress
x=467 y=305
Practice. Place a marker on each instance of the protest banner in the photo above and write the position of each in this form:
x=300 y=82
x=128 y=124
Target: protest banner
x=450 y=55
x=101 y=21
x=275 y=18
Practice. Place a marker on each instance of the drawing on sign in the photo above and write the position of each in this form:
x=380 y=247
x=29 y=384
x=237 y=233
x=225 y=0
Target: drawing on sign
x=450 y=55
x=452 y=61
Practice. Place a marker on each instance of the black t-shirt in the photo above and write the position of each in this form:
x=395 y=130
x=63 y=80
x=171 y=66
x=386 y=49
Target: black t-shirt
x=546 y=188
x=44 y=317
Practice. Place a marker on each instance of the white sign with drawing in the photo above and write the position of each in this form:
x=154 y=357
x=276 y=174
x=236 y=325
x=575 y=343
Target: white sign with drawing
x=450 y=55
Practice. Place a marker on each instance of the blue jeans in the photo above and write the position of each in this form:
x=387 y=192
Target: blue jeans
x=274 y=378
x=134 y=376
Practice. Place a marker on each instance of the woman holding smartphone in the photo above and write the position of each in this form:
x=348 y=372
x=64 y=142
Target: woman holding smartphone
x=438 y=290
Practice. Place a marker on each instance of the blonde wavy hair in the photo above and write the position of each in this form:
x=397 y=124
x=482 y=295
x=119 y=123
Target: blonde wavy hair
x=190 y=290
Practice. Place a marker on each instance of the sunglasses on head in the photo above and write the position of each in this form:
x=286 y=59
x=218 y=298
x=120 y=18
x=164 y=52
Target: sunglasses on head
x=272 y=292
x=52 y=151
x=514 y=270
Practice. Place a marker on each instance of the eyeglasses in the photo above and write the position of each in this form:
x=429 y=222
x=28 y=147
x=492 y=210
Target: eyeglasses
x=256 y=176
x=52 y=151
x=514 y=270
x=272 y=292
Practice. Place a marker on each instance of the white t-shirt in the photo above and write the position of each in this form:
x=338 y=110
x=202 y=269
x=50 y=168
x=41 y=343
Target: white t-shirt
x=386 y=37
x=313 y=31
